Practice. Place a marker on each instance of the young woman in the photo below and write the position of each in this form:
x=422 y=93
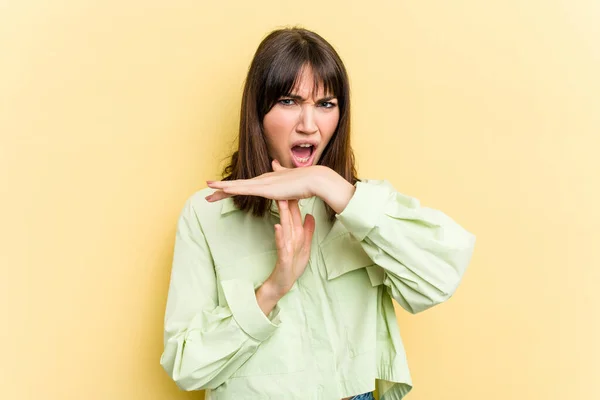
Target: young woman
x=284 y=271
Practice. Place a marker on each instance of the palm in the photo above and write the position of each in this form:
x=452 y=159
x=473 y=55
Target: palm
x=293 y=240
x=281 y=184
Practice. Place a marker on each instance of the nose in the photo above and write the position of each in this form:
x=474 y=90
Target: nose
x=307 y=123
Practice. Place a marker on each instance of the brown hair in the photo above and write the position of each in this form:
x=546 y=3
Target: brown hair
x=274 y=70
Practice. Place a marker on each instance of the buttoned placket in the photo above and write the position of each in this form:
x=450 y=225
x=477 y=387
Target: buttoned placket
x=321 y=331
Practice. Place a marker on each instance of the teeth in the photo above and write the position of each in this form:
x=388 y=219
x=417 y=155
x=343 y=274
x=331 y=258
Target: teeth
x=303 y=160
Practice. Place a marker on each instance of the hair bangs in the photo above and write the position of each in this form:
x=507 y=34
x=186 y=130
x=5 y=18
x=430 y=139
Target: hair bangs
x=285 y=71
x=326 y=75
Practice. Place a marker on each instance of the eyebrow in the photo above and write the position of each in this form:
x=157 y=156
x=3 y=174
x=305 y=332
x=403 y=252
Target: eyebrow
x=298 y=97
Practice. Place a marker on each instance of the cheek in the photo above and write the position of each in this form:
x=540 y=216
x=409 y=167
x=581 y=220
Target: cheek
x=277 y=125
x=328 y=123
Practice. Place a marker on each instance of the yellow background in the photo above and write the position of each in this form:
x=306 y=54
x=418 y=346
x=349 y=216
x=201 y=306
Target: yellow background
x=112 y=113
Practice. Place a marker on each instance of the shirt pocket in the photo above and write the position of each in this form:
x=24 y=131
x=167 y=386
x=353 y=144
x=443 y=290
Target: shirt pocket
x=344 y=254
x=353 y=278
x=284 y=351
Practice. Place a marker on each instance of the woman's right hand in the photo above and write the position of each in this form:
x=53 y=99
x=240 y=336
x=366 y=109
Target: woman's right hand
x=293 y=240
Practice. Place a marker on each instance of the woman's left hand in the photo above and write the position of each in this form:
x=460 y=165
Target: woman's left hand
x=281 y=184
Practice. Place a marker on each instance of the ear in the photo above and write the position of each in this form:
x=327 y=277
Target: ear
x=277 y=166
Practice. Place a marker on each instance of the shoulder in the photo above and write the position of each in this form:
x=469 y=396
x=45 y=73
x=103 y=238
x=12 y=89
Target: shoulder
x=376 y=182
x=382 y=184
x=197 y=204
x=373 y=189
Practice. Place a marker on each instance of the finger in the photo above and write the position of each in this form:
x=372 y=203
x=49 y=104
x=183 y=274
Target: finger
x=309 y=230
x=279 y=242
x=234 y=183
x=295 y=212
x=218 y=195
x=277 y=166
x=249 y=190
x=284 y=216
x=294 y=227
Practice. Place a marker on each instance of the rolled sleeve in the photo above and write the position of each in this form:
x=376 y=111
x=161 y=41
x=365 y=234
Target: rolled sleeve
x=241 y=298
x=420 y=253
x=365 y=208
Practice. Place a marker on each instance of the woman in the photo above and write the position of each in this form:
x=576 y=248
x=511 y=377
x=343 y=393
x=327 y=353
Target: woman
x=284 y=272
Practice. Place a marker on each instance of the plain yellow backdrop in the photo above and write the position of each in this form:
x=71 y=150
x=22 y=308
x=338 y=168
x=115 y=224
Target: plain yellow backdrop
x=113 y=113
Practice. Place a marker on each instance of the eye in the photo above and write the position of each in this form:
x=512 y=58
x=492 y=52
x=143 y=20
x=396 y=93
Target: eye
x=286 y=102
x=327 y=104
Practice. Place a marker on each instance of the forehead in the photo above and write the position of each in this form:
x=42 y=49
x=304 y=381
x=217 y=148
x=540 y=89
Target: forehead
x=306 y=84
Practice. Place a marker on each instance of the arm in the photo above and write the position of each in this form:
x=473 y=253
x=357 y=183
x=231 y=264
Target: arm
x=206 y=342
x=420 y=253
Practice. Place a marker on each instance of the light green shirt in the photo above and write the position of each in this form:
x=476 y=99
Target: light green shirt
x=334 y=334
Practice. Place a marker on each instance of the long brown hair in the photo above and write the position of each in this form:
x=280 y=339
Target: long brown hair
x=274 y=70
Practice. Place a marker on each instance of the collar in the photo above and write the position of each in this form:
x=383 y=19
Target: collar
x=227 y=205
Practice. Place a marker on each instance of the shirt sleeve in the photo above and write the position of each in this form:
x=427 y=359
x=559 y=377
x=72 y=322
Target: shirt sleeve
x=206 y=342
x=420 y=253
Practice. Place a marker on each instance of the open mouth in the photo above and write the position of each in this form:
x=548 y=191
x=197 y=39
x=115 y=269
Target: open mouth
x=303 y=155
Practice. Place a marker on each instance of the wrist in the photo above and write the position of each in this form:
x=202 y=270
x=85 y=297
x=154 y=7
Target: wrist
x=333 y=189
x=272 y=291
x=267 y=296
